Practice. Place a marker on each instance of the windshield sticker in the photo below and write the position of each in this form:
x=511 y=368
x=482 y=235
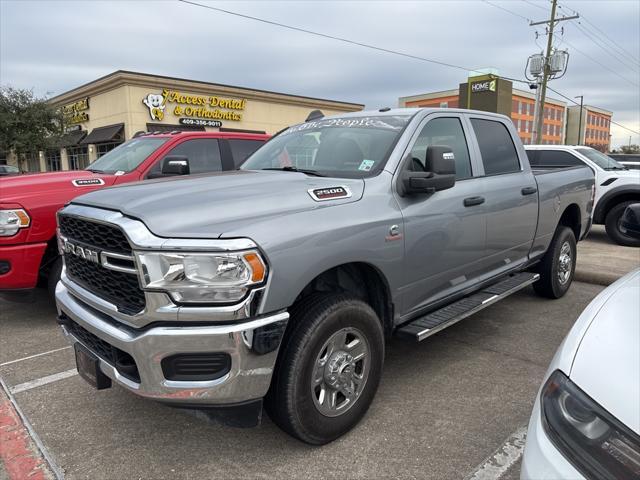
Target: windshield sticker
x=332 y=193
x=396 y=123
x=366 y=165
x=87 y=182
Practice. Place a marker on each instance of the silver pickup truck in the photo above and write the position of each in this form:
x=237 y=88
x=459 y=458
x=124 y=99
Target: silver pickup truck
x=279 y=283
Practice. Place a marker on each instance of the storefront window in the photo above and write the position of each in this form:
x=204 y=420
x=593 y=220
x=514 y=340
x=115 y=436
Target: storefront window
x=104 y=148
x=78 y=157
x=54 y=161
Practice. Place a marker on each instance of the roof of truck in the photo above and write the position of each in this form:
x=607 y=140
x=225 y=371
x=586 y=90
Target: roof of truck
x=383 y=112
x=239 y=135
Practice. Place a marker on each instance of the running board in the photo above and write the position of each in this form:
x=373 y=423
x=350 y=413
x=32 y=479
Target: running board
x=427 y=325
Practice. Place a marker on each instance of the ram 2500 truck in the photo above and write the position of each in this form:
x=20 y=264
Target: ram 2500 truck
x=617 y=187
x=28 y=203
x=281 y=281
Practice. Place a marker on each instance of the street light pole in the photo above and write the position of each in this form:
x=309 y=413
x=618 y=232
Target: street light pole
x=581 y=97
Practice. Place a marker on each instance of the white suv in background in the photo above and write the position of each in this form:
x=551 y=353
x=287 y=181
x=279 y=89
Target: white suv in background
x=616 y=186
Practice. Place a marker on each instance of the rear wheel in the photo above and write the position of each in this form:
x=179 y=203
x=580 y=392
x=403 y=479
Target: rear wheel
x=558 y=265
x=613 y=223
x=329 y=369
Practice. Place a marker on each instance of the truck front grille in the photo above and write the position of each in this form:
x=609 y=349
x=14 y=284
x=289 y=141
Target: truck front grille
x=119 y=288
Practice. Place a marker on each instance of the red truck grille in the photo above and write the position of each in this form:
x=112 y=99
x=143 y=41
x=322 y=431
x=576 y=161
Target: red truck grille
x=119 y=288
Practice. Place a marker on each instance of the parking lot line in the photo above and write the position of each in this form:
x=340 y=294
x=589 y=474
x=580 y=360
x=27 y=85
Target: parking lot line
x=34 y=356
x=23 y=387
x=502 y=459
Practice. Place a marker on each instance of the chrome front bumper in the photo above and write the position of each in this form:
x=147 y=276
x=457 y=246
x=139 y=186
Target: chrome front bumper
x=248 y=379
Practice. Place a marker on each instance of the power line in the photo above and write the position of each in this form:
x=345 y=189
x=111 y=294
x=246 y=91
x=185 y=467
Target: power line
x=605 y=48
x=507 y=10
x=576 y=103
x=534 y=5
x=332 y=37
x=601 y=64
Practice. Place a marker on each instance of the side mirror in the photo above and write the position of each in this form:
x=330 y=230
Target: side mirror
x=439 y=174
x=630 y=221
x=175 y=165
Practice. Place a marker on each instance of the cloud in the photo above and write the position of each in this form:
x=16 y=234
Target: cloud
x=52 y=46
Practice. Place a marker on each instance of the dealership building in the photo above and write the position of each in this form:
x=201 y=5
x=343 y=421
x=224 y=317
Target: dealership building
x=562 y=124
x=104 y=113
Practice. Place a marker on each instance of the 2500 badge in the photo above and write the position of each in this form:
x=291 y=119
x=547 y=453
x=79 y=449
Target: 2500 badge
x=332 y=193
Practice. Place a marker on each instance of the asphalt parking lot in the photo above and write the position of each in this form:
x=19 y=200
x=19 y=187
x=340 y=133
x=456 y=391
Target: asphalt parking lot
x=444 y=407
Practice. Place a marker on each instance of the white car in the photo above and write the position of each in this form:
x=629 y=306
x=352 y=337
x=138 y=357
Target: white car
x=616 y=186
x=586 y=419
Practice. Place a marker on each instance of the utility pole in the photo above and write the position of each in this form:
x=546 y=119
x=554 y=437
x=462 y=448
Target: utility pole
x=581 y=97
x=546 y=71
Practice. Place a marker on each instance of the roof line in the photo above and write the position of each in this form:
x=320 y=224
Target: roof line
x=180 y=79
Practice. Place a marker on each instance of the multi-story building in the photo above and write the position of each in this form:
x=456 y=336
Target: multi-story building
x=589 y=126
x=522 y=110
x=586 y=125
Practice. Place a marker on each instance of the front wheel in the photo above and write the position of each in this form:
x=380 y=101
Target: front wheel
x=329 y=369
x=558 y=265
x=613 y=223
x=54 y=276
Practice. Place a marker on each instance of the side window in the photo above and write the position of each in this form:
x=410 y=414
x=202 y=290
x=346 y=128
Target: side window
x=241 y=149
x=555 y=158
x=445 y=132
x=203 y=155
x=498 y=152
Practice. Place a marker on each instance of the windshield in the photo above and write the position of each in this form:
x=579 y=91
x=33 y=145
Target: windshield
x=127 y=156
x=354 y=147
x=603 y=161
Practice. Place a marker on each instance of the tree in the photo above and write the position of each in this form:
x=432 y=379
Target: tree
x=630 y=148
x=27 y=123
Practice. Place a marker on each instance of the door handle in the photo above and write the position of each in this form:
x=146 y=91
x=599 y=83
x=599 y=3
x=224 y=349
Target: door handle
x=528 y=190
x=471 y=201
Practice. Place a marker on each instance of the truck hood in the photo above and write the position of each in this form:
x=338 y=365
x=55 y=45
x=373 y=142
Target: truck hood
x=207 y=206
x=20 y=187
x=606 y=362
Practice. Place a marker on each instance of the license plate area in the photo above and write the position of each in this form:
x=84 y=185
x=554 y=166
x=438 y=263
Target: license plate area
x=89 y=368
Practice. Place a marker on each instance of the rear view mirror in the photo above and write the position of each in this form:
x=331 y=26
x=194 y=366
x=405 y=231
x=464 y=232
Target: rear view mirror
x=439 y=174
x=630 y=221
x=175 y=165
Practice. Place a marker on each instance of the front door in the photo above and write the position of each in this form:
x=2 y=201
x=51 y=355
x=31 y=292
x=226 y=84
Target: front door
x=444 y=239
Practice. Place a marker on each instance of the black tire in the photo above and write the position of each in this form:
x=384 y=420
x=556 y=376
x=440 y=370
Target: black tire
x=550 y=284
x=291 y=401
x=612 y=225
x=54 y=276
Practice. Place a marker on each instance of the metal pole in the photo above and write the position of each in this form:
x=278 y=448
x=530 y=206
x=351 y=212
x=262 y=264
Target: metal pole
x=580 y=120
x=545 y=71
x=537 y=113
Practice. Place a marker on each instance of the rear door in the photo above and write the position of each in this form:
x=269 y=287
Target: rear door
x=444 y=239
x=510 y=191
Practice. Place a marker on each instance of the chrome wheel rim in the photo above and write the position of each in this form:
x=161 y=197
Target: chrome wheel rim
x=565 y=263
x=340 y=372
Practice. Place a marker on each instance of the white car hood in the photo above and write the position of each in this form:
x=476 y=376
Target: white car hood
x=606 y=364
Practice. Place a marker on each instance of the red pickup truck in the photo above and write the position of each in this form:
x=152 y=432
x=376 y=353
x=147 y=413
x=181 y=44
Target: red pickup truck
x=28 y=203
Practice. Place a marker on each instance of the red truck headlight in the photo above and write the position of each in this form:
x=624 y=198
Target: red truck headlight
x=13 y=220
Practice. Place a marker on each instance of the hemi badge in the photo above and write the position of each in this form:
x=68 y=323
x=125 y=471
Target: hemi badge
x=331 y=193
x=87 y=182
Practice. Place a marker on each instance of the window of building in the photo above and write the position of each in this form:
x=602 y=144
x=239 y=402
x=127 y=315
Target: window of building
x=444 y=104
x=444 y=131
x=496 y=147
x=514 y=106
x=33 y=161
x=104 y=148
x=203 y=154
x=78 y=157
x=53 y=160
x=241 y=149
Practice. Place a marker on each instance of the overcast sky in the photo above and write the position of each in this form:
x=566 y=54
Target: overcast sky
x=53 y=46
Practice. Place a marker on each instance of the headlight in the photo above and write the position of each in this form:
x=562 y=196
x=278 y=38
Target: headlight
x=13 y=220
x=202 y=277
x=594 y=441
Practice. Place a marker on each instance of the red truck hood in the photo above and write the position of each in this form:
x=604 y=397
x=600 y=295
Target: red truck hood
x=64 y=186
